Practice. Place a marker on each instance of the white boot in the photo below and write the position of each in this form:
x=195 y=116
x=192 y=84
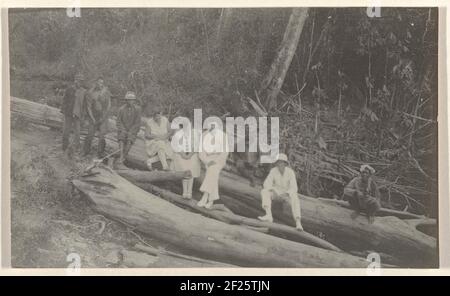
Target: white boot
x=298 y=224
x=185 y=189
x=203 y=201
x=266 y=218
x=209 y=204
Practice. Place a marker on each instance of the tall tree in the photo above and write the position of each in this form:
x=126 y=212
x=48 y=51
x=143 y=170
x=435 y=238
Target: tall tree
x=271 y=84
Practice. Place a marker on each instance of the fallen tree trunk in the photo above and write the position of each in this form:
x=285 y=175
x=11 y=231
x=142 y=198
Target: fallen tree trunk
x=145 y=259
x=383 y=212
x=152 y=176
x=173 y=259
x=388 y=235
x=280 y=230
x=120 y=200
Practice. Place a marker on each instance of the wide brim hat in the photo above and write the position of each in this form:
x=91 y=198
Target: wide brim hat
x=283 y=157
x=366 y=167
x=130 y=96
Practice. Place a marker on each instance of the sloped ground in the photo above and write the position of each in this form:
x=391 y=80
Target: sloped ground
x=49 y=219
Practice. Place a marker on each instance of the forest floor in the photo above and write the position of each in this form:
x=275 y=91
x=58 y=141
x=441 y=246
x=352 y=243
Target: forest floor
x=49 y=219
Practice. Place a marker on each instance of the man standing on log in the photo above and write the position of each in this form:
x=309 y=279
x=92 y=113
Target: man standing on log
x=281 y=184
x=98 y=105
x=128 y=125
x=72 y=108
x=362 y=193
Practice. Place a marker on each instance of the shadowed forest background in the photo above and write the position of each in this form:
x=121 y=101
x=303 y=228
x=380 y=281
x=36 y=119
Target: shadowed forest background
x=348 y=88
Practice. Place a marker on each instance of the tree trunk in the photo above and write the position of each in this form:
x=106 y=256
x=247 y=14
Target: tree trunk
x=388 y=235
x=120 y=200
x=221 y=214
x=223 y=29
x=271 y=85
x=152 y=176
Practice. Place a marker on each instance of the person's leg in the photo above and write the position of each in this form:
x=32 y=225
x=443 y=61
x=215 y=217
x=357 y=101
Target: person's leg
x=353 y=200
x=101 y=147
x=76 y=134
x=185 y=182
x=190 y=184
x=209 y=186
x=203 y=200
x=121 y=155
x=102 y=131
x=163 y=159
x=266 y=197
x=372 y=208
x=214 y=185
x=127 y=148
x=67 y=127
x=89 y=137
x=296 y=211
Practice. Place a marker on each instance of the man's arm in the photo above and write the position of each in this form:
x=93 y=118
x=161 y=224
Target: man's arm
x=350 y=189
x=66 y=98
x=137 y=122
x=292 y=183
x=268 y=182
x=119 y=122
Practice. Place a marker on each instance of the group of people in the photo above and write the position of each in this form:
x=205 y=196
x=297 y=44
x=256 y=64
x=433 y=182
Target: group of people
x=94 y=105
x=80 y=105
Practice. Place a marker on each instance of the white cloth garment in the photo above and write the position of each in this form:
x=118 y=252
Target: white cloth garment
x=277 y=184
x=185 y=161
x=219 y=156
x=154 y=146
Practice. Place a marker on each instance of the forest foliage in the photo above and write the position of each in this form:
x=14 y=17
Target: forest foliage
x=358 y=89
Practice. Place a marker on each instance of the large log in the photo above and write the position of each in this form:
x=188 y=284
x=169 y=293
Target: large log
x=151 y=176
x=203 y=237
x=388 y=235
x=280 y=230
x=383 y=212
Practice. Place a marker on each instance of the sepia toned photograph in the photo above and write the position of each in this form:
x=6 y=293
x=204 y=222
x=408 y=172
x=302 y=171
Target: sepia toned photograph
x=298 y=137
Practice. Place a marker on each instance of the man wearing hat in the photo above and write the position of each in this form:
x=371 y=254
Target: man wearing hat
x=72 y=108
x=281 y=184
x=362 y=193
x=128 y=125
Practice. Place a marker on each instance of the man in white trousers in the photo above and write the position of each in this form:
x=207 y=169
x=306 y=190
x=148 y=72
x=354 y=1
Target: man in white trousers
x=281 y=184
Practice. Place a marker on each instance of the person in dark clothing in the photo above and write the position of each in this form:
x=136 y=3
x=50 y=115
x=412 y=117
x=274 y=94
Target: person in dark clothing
x=98 y=106
x=362 y=193
x=72 y=108
x=128 y=125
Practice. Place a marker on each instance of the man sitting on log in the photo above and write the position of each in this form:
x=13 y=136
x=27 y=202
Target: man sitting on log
x=128 y=125
x=362 y=193
x=281 y=184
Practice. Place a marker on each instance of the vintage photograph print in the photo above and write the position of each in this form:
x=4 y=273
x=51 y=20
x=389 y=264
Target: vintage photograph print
x=224 y=137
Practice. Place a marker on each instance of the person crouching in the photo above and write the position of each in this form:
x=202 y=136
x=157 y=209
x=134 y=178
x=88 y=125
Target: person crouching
x=362 y=193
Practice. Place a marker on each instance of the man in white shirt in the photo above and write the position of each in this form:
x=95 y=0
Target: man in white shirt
x=281 y=184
